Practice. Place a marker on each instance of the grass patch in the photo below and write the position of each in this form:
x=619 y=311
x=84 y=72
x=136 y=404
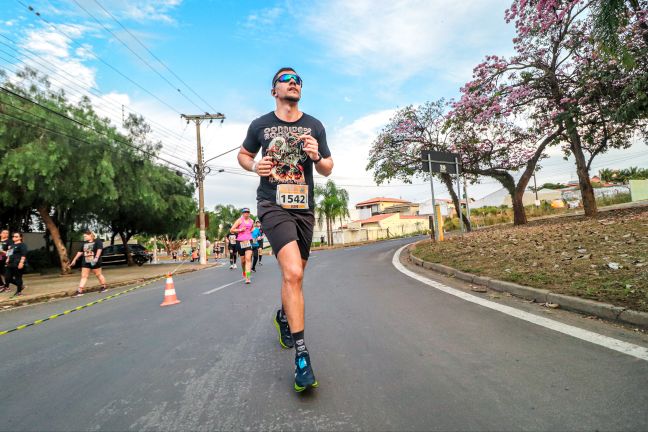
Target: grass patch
x=604 y=258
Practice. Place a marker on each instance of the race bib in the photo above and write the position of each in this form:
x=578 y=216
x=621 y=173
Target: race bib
x=290 y=196
x=245 y=244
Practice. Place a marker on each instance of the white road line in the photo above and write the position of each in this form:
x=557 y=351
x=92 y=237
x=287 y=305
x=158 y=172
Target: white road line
x=586 y=335
x=224 y=286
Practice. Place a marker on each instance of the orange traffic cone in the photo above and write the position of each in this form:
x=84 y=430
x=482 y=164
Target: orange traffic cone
x=169 y=293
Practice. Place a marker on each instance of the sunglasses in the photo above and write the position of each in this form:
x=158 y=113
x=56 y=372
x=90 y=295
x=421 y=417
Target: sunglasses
x=284 y=78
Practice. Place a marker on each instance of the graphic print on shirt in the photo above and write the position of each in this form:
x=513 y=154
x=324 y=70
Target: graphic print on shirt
x=88 y=251
x=288 y=158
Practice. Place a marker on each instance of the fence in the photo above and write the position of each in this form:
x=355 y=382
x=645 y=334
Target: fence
x=355 y=235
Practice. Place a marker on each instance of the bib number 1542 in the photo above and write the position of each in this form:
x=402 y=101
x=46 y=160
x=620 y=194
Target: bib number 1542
x=292 y=196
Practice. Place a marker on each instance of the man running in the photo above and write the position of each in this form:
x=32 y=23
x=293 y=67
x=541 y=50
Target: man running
x=292 y=143
x=260 y=242
x=256 y=234
x=231 y=247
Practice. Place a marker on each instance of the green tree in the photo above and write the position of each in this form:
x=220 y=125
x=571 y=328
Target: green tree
x=331 y=203
x=50 y=160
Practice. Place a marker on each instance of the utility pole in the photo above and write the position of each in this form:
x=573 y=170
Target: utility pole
x=200 y=173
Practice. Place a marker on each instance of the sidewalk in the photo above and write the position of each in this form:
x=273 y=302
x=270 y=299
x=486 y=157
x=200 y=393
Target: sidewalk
x=39 y=288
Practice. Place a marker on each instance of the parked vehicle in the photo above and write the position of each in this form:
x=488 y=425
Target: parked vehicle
x=116 y=254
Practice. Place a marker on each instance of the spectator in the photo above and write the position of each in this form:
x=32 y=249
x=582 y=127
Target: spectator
x=4 y=247
x=15 y=266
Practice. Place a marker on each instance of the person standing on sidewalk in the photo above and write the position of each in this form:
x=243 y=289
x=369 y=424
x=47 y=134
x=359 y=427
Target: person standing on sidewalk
x=243 y=229
x=15 y=267
x=293 y=145
x=4 y=248
x=91 y=253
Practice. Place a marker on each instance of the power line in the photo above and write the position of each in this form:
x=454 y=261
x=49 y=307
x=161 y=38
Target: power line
x=39 y=15
x=74 y=92
x=80 y=123
x=59 y=132
x=137 y=55
x=155 y=57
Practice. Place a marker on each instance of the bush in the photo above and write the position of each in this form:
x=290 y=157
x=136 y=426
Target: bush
x=616 y=199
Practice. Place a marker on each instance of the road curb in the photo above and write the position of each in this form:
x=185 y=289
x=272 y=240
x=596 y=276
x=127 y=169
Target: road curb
x=41 y=298
x=575 y=304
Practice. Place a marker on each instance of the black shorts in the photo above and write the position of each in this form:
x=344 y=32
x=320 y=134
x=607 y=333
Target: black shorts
x=241 y=251
x=90 y=266
x=282 y=226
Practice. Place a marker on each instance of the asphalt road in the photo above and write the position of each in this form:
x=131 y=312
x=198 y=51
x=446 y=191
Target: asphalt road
x=390 y=353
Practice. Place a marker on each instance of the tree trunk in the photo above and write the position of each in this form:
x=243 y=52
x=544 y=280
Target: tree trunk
x=112 y=238
x=329 y=231
x=587 y=191
x=447 y=181
x=519 y=213
x=43 y=211
x=124 y=239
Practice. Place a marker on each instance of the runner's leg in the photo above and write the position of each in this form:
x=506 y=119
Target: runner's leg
x=292 y=272
x=255 y=257
x=248 y=263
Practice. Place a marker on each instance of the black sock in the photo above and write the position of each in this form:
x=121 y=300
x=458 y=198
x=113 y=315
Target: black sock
x=300 y=346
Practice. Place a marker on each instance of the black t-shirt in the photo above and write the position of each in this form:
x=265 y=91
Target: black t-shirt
x=231 y=240
x=15 y=253
x=292 y=165
x=90 y=250
x=4 y=248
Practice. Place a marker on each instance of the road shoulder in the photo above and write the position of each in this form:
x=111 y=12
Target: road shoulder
x=618 y=330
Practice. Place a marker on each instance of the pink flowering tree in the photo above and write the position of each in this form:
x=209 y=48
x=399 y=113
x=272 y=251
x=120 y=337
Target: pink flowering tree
x=396 y=152
x=499 y=144
x=553 y=78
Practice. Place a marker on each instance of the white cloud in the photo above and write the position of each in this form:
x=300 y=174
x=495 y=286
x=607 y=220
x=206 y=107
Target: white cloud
x=55 y=50
x=402 y=38
x=263 y=17
x=133 y=10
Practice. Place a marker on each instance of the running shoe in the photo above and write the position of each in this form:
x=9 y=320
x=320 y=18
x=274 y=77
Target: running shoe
x=234 y=265
x=285 y=337
x=231 y=266
x=304 y=376
x=103 y=290
x=247 y=281
x=78 y=294
x=17 y=294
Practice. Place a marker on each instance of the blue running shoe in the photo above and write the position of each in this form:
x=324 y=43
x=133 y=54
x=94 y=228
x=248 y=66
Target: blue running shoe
x=304 y=376
x=285 y=337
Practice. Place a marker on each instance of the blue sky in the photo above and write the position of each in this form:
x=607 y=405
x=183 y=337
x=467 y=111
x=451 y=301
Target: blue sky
x=360 y=61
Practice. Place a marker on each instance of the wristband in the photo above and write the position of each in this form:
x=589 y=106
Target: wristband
x=254 y=167
x=319 y=158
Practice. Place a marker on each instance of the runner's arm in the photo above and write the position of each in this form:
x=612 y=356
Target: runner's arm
x=325 y=166
x=234 y=229
x=246 y=160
